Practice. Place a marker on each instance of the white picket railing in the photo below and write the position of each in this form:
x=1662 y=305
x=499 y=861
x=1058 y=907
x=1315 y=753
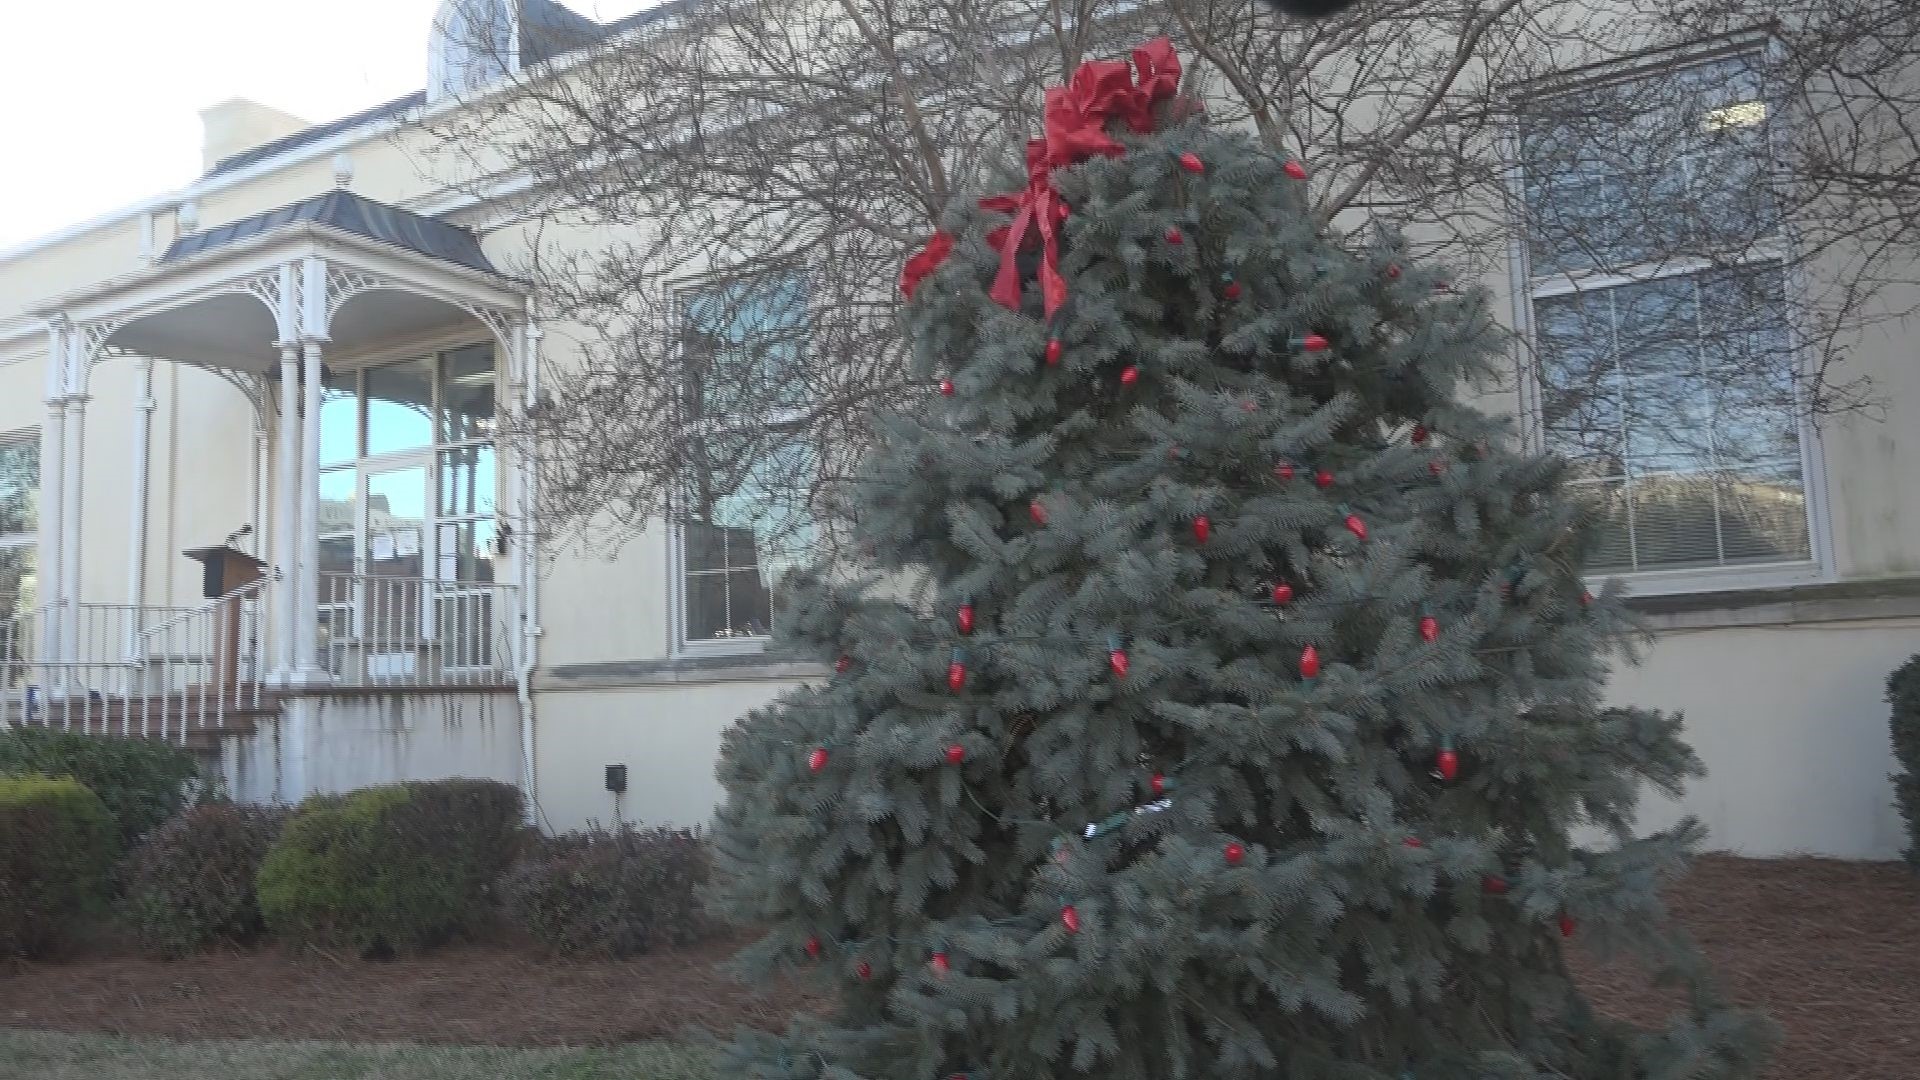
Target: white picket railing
x=134 y=670
x=417 y=633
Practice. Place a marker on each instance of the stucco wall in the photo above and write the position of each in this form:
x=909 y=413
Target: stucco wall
x=667 y=736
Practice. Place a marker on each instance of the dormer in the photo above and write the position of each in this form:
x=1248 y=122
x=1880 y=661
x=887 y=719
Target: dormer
x=476 y=44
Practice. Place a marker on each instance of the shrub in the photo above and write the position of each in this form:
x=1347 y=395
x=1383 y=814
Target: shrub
x=56 y=857
x=1903 y=693
x=390 y=869
x=190 y=883
x=612 y=894
x=142 y=782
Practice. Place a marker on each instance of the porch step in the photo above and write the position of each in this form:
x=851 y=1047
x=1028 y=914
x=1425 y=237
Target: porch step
x=180 y=719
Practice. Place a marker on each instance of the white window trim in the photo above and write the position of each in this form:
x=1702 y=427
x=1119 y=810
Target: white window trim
x=1526 y=290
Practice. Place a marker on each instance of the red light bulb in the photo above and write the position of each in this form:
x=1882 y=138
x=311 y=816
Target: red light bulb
x=946 y=387
x=1054 y=349
x=956 y=754
x=1037 y=512
x=1129 y=375
x=1356 y=526
x=1309 y=663
x=1070 y=919
x=813 y=948
x=1429 y=628
x=1233 y=290
x=864 y=970
x=1235 y=854
x=1493 y=885
x=844 y=664
x=1202 y=529
x=1323 y=478
x=964 y=618
x=1296 y=170
x=1192 y=163
x=1282 y=593
x=1158 y=784
x=1173 y=235
x=818 y=759
x=1283 y=471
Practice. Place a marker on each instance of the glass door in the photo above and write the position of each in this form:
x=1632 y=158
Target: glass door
x=393 y=553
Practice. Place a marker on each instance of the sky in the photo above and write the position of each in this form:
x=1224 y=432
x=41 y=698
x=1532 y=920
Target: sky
x=100 y=99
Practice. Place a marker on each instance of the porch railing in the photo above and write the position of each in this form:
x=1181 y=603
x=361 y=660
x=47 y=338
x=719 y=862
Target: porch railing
x=137 y=670
x=414 y=632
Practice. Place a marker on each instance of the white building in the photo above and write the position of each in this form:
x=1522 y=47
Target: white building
x=304 y=355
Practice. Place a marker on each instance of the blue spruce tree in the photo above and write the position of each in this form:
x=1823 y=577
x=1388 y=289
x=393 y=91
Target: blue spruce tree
x=1226 y=700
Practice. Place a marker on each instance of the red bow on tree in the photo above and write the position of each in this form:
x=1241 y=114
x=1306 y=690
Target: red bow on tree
x=1075 y=129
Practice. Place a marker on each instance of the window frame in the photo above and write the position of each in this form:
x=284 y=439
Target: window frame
x=1527 y=290
x=679 y=645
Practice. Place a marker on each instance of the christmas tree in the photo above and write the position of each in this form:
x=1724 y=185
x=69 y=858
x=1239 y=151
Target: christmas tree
x=1224 y=699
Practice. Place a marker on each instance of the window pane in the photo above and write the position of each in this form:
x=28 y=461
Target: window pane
x=742 y=536
x=396 y=522
x=466 y=394
x=1697 y=373
x=337 y=499
x=467 y=481
x=744 y=347
x=19 y=486
x=399 y=406
x=19 y=584
x=339 y=418
x=707 y=607
x=466 y=551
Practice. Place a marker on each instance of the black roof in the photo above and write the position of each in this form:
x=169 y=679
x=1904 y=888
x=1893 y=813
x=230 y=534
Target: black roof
x=352 y=213
x=547 y=30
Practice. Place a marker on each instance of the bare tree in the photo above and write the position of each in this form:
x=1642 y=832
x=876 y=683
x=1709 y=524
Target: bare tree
x=794 y=154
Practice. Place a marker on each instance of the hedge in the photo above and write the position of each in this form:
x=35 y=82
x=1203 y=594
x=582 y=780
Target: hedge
x=391 y=869
x=190 y=883
x=142 y=782
x=57 y=848
x=1903 y=693
x=612 y=894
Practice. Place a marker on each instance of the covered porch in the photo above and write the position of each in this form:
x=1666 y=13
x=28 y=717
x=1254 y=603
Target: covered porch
x=367 y=539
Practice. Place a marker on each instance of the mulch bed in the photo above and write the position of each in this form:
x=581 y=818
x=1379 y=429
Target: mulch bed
x=1830 y=950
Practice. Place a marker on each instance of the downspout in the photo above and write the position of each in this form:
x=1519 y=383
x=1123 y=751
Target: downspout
x=529 y=486
x=143 y=409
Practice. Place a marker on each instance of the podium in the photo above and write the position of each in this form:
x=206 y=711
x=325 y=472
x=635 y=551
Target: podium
x=226 y=570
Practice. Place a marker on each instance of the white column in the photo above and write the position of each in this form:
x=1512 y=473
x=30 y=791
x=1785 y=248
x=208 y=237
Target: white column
x=307 y=668
x=74 y=467
x=286 y=518
x=53 y=452
x=143 y=408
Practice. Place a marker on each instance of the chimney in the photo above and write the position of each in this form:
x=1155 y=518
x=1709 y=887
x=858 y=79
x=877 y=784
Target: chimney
x=237 y=125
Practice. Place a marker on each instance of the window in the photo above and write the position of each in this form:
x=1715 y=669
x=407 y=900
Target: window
x=19 y=539
x=743 y=516
x=1664 y=358
x=471 y=46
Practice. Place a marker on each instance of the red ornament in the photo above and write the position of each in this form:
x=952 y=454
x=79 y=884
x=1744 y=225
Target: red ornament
x=956 y=754
x=956 y=675
x=1192 y=163
x=1070 y=919
x=1436 y=466
x=1282 y=593
x=813 y=948
x=1235 y=854
x=1447 y=763
x=1309 y=663
x=1429 y=628
x=946 y=387
x=1586 y=598
x=939 y=963
x=1054 y=348
x=864 y=970
x=1117 y=660
x=1037 y=512
x=964 y=618
x=1323 y=478
x=1314 y=343
x=1419 y=434
x=1356 y=526
x=844 y=664
x=1296 y=170
x=1566 y=926
x=1129 y=375
x=1284 y=470
x=1158 y=784
x=1393 y=271
x=818 y=759
x=1202 y=528
x=1493 y=885
x=1173 y=235
x=1233 y=290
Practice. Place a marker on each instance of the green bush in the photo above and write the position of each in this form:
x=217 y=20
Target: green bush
x=56 y=860
x=395 y=869
x=612 y=894
x=190 y=883
x=1903 y=693
x=142 y=782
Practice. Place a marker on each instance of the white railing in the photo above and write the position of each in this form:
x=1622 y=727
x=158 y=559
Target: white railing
x=136 y=670
x=417 y=633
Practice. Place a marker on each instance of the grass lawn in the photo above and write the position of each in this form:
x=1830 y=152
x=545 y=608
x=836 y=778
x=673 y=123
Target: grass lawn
x=43 y=1055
